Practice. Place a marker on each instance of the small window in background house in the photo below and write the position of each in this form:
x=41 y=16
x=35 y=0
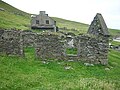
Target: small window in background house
x=47 y=21
x=37 y=21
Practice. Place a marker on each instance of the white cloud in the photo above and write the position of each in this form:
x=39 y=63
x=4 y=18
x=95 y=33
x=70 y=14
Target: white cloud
x=76 y=10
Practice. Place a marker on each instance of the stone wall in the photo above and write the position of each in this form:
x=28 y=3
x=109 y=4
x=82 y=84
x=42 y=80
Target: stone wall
x=28 y=38
x=93 y=49
x=90 y=48
x=49 y=46
x=11 y=42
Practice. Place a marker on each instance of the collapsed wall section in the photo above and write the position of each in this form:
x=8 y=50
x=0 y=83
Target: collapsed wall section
x=28 y=38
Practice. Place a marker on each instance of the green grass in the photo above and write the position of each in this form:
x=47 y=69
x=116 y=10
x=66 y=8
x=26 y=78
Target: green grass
x=115 y=43
x=14 y=18
x=9 y=20
x=31 y=74
x=79 y=27
x=114 y=32
x=71 y=51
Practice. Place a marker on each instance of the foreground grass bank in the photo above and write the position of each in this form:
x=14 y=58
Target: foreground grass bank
x=30 y=74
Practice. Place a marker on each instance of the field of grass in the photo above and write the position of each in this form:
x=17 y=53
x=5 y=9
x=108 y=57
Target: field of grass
x=9 y=20
x=13 y=18
x=31 y=74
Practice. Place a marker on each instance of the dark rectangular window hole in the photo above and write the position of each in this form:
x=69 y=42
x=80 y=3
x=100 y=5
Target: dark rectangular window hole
x=47 y=21
x=37 y=21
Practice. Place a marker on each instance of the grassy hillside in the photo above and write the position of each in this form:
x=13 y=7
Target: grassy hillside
x=31 y=74
x=71 y=26
x=114 y=32
x=14 y=18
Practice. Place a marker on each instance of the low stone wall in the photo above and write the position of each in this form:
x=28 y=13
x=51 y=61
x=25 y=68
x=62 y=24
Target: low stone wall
x=49 y=46
x=93 y=49
x=11 y=42
x=90 y=48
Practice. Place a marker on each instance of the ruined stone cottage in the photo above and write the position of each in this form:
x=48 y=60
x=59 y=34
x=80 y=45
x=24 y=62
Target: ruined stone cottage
x=43 y=21
x=91 y=47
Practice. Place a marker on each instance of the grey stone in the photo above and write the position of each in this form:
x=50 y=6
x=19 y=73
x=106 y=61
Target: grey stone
x=107 y=69
x=88 y=64
x=10 y=42
x=45 y=62
x=68 y=67
x=98 y=26
x=2 y=9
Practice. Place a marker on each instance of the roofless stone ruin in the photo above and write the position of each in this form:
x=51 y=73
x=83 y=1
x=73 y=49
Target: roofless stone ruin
x=91 y=47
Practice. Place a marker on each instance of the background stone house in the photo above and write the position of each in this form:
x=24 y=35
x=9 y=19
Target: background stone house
x=43 y=21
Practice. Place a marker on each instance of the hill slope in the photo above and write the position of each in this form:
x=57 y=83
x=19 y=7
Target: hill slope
x=73 y=26
x=11 y=17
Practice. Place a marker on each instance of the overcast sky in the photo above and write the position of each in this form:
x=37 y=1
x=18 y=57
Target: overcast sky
x=75 y=10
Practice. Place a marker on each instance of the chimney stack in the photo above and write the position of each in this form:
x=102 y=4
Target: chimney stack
x=42 y=12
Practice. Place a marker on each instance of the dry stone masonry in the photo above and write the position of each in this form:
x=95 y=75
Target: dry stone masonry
x=49 y=46
x=11 y=42
x=91 y=47
x=98 y=26
x=28 y=38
